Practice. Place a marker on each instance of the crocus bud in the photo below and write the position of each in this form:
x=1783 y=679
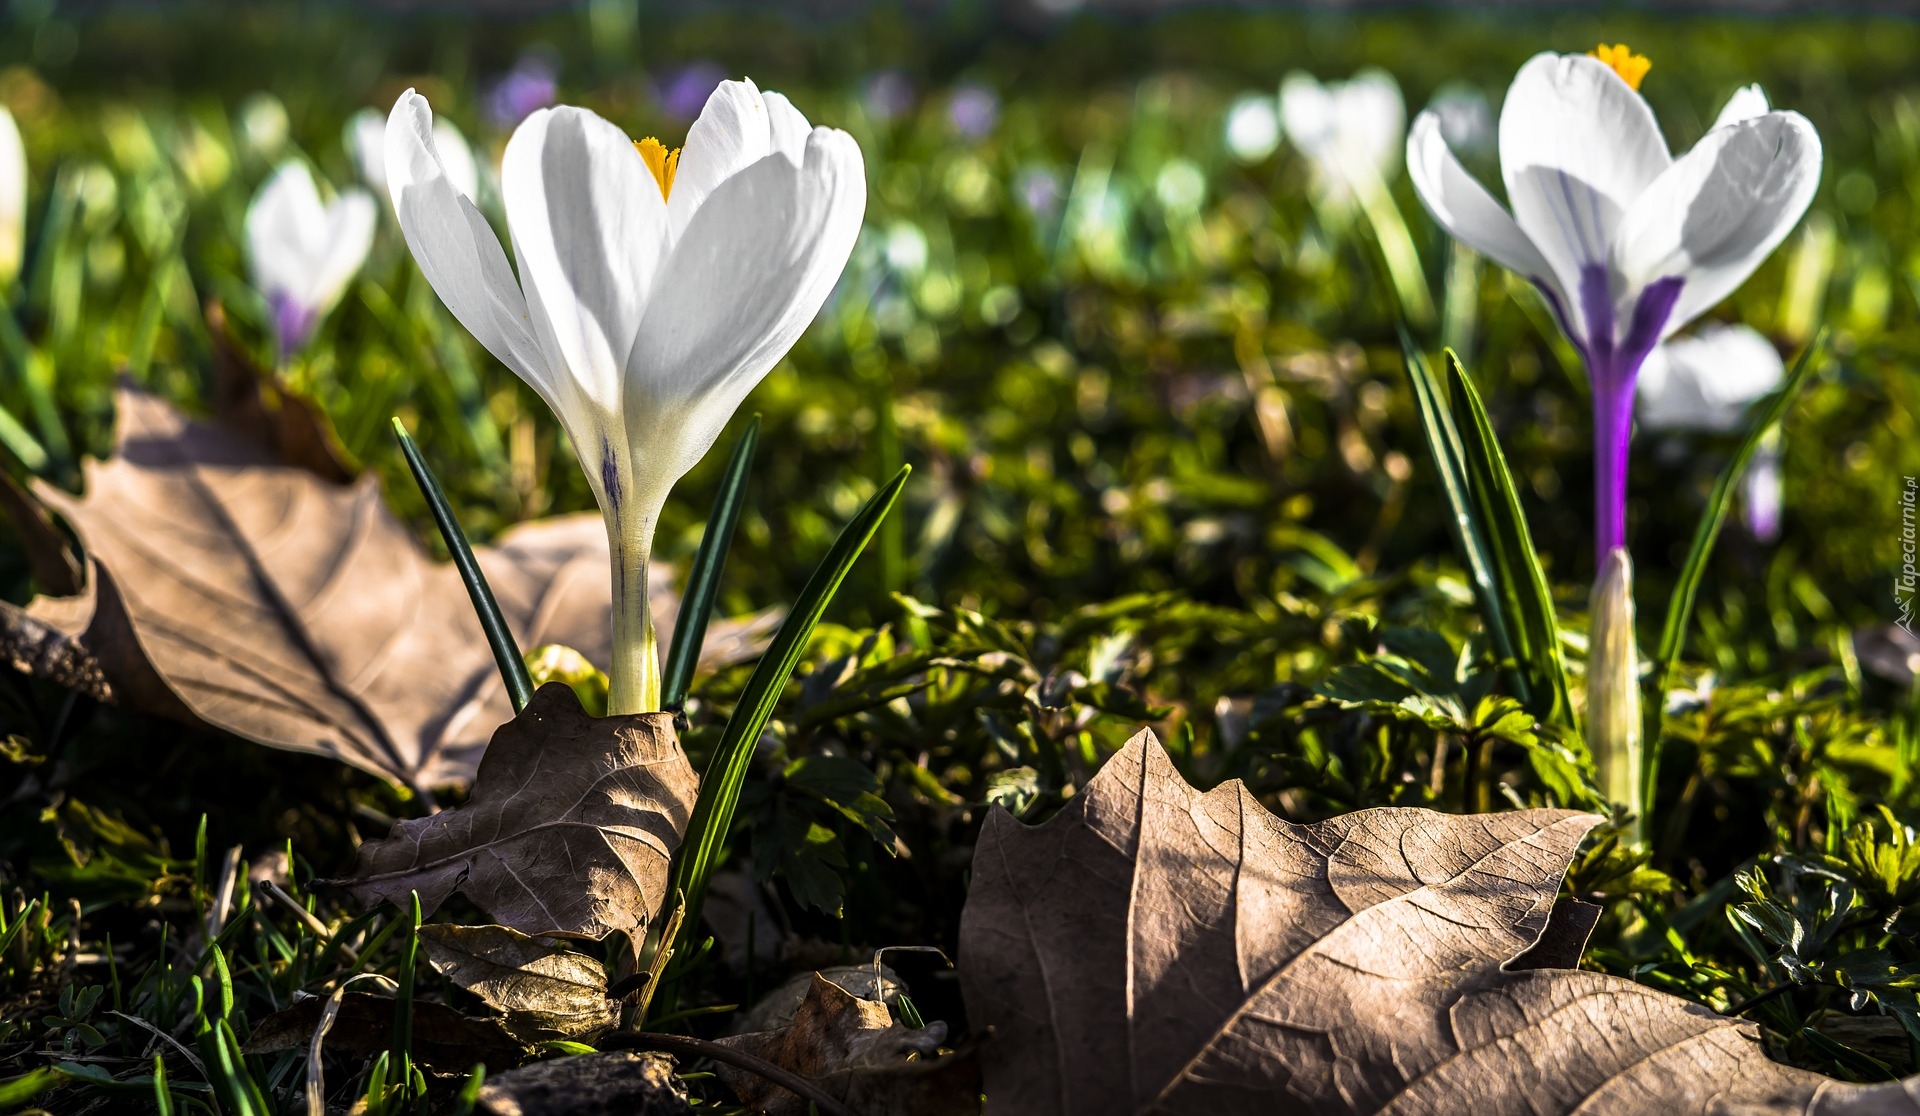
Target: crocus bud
x=1613 y=683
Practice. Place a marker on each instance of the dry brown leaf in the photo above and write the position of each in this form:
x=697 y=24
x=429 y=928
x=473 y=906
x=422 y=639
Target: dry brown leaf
x=442 y=1037
x=1155 y=949
x=254 y=404
x=257 y=597
x=615 y=1084
x=540 y=989
x=569 y=831
x=854 y=1051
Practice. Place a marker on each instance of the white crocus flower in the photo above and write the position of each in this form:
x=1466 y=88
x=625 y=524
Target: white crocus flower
x=1708 y=382
x=304 y=251
x=1351 y=131
x=1626 y=242
x=1253 y=127
x=654 y=290
x=13 y=199
x=367 y=140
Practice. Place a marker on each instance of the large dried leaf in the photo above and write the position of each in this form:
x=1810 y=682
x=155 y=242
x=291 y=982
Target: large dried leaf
x=569 y=831
x=541 y=990
x=263 y=599
x=1155 y=949
x=853 y=1050
x=442 y=1037
x=615 y=1084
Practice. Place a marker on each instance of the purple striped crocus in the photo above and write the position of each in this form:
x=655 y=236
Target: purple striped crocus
x=1627 y=243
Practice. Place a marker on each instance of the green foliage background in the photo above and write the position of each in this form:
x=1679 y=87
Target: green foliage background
x=1167 y=465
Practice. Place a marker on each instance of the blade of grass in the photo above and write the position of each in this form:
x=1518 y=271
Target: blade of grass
x=1443 y=442
x=1673 y=632
x=720 y=789
x=1522 y=583
x=402 y=1061
x=506 y=653
x=703 y=580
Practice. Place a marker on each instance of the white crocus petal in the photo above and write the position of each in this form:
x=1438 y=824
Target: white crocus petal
x=749 y=273
x=302 y=249
x=1577 y=147
x=456 y=249
x=733 y=132
x=1746 y=103
x=589 y=231
x=1719 y=211
x=1464 y=207
x=1707 y=381
x=787 y=127
x=13 y=198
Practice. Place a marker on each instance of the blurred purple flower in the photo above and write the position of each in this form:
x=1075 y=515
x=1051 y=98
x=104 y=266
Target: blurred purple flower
x=1040 y=191
x=974 y=110
x=686 y=90
x=888 y=96
x=530 y=86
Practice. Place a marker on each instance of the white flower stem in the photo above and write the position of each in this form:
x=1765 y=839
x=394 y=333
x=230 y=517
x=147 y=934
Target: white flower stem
x=634 y=680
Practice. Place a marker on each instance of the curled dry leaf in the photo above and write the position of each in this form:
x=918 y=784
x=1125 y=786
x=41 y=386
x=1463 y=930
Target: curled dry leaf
x=614 y=1084
x=569 y=831
x=442 y=1037
x=540 y=989
x=227 y=586
x=854 y=1051
x=1152 y=949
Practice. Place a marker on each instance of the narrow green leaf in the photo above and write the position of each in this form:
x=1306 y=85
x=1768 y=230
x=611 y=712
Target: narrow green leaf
x=506 y=653
x=720 y=789
x=1673 y=632
x=469 y=1094
x=162 y=1099
x=1443 y=442
x=402 y=1061
x=703 y=580
x=1523 y=587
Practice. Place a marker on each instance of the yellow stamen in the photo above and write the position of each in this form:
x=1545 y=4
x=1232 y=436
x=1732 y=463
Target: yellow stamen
x=1631 y=67
x=660 y=161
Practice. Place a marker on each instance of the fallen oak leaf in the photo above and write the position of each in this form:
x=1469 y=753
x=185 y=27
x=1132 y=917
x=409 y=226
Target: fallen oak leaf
x=569 y=832
x=1153 y=949
x=229 y=588
x=852 y=1050
x=540 y=990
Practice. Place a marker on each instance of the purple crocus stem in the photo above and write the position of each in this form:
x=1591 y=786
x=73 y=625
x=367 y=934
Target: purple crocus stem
x=1614 y=369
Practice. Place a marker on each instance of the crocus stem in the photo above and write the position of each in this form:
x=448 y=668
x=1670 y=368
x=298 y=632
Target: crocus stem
x=634 y=681
x=1613 y=688
x=1612 y=429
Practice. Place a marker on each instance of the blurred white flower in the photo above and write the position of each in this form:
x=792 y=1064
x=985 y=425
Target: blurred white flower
x=13 y=198
x=655 y=289
x=1351 y=131
x=367 y=141
x=1466 y=120
x=1626 y=243
x=1253 y=127
x=304 y=251
x=1705 y=382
